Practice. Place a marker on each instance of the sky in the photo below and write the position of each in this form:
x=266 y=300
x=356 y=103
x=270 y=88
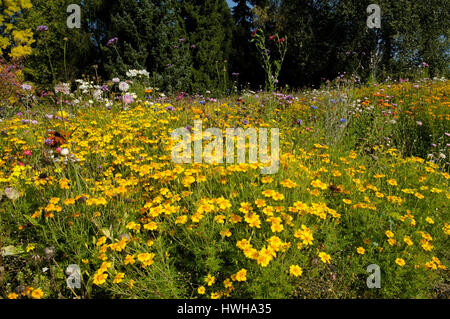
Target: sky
x=231 y=4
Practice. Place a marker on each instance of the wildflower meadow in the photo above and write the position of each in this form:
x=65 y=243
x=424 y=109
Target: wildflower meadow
x=125 y=186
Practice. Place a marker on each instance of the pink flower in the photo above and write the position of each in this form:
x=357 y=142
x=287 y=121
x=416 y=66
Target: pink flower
x=58 y=149
x=21 y=164
x=27 y=153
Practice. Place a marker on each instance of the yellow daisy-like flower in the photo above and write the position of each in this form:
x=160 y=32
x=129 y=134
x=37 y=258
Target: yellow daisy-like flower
x=37 y=293
x=400 y=262
x=361 y=250
x=210 y=280
x=100 y=278
x=13 y=295
x=201 y=290
x=129 y=259
x=325 y=257
x=241 y=275
x=408 y=240
x=118 y=278
x=295 y=270
x=181 y=220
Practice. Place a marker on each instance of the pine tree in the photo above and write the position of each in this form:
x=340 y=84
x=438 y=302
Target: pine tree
x=171 y=57
x=244 y=56
x=209 y=26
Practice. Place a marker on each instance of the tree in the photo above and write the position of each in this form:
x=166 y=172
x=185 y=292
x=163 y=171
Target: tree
x=209 y=26
x=60 y=53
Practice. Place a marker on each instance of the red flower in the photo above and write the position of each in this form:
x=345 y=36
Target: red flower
x=254 y=33
x=271 y=37
x=281 y=40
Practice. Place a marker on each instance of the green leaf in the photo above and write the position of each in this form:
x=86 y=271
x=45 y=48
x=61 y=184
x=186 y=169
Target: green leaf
x=31 y=220
x=12 y=251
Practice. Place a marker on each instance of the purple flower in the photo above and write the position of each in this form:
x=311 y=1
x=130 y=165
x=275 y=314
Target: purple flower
x=299 y=122
x=202 y=102
x=127 y=99
x=104 y=88
x=112 y=41
x=235 y=74
x=342 y=120
x=245 y=122
x=26 y=87
x=169 y=108
x=181 y=40
x=193 y=46
x=188 y=128
x=419 y=123
x=48 y=141
x=42 y=28
x=314 y=107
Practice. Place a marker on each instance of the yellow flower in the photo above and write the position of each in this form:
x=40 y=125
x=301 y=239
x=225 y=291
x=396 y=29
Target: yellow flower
x=361 y=250
x=225 y=233
x=181 y=220
x=389 y=234
x=408 y=240
x=118 y=278
x=30 y=247
x=100 y=278
x=210 y=280
x=13 y=295
x=288 y=183
x=151 y=226
x=216 y=295
x=37 y=293
x=419 y=196
x=101 y=241
x=146 y=259
x=400 y=262
x=392 y=182
x=54 y=200
x=295 y=270
x=129 y=260
x=241 y=275
x=201 y=290
x=391 y=241
x=347 y=201
x=324 y=257
x=429 y=220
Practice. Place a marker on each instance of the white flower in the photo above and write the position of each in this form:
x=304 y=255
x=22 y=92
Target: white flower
x=97 y=94
x=63 y=88
x=123 y=86
x=64 y=152
x=132 y=73
x=144 y=73
x=116 y=80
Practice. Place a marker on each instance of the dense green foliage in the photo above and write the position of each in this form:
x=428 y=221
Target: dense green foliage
x=192 y=45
